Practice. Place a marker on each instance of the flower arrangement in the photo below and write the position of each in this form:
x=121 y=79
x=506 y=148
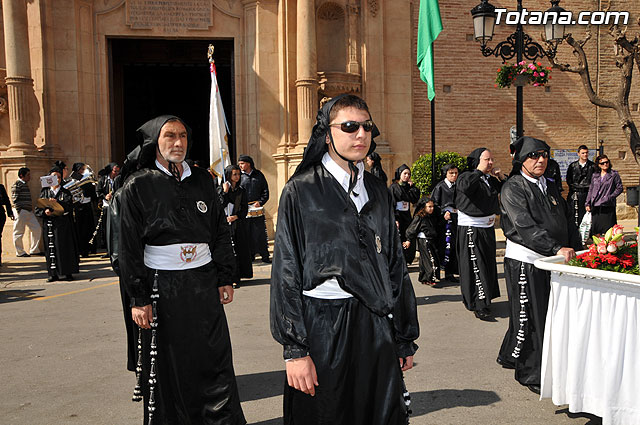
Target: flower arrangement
x=534 y=73
x=611 y=253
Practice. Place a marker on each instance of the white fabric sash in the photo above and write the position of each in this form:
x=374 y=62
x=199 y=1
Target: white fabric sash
x=328 y=290
x=518 y=252
x=180 y=256
x=467 y=220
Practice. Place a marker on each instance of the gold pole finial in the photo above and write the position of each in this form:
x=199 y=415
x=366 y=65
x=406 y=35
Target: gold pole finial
x=210 y=53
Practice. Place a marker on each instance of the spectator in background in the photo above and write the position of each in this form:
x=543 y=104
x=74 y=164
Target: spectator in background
x=553 y=174
x=254 y=182
x=579 y=179
x=375 y=167
x=605 y=187
x=403 y=194
x=233 y=199
x=104 y=191
x=5 y=203
x=59 y=241
x=83 y=208
x=21 y=199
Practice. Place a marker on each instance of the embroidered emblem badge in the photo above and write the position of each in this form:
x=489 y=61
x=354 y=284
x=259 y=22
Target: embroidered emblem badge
x=188 y=253
x=202 y=207
x=378 y=244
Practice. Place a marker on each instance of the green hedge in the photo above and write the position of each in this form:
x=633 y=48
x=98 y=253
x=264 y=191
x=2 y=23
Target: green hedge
x=421 y=169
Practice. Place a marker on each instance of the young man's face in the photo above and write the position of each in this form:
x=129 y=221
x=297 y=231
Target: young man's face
x=452 y=175
x=244 y=166
x=27 y=177
x=172 y=143
x=583 y=154
x=353 y=146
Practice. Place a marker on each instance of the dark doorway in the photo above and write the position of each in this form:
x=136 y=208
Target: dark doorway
x=151 y=77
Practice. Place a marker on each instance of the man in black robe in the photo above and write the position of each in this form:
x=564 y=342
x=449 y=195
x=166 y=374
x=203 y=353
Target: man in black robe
x=443 y=196
x=536 y=223
x=104 y=192
x=342 y=303
x=176 y=263
x=579 y=179
x=83 y=206
x=255 y=184
x=477 y=201
x=59 y=235
x=404 y=194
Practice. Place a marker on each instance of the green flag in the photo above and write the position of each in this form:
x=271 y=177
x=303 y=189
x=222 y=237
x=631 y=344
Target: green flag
x=429 y=26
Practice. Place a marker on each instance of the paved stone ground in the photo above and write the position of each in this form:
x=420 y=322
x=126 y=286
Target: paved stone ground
x=63 y=355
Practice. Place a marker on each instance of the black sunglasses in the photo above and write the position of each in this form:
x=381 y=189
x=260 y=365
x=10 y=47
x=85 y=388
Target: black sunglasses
x=603 y=162
x=353 y=126
x=536 y=155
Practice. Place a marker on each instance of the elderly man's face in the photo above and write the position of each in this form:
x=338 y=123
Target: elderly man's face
x=172 y=143
x=486 y=162
x=244 y=166
x=536 y=163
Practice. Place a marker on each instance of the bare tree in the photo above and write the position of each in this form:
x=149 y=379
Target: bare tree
x=627 y=52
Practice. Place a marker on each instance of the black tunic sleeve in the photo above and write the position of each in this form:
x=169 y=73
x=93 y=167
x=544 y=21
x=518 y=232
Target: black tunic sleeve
x=264 y=193
x=414 y=228
x=133 y=270
x=405 y=313
x=287 y=312
x=44 y=194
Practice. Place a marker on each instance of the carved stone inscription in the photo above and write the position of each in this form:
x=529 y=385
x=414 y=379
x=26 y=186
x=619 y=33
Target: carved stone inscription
x=171 y=16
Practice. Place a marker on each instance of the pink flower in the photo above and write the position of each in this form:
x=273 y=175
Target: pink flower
x=535 y=84
x=602 y=248
x=535 y=74
x=612 y=247
x=521 y=71
x=532 y=66
x=522 y=63
x=542 y=74
x=617 y=229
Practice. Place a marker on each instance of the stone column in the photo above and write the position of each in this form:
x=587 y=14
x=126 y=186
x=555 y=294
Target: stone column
x=353 y=67
x=306 y=67
x=19 y=81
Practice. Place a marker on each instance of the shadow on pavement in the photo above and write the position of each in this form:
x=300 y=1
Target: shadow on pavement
x=593 y=420
x=254 y=282
x=500 y=309
x=13 y=295
x=256 y=386
x=425 y=402
x=434 y=299
x=277 y=421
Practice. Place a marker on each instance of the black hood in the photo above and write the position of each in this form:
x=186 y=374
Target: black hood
x=474 y=158
x=399 y=171
x=247 y=158
x=317 y=146
x=525 y=145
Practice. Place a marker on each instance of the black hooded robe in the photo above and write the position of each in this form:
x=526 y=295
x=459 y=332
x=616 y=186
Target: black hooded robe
x=544 y=224
x=429 y=262
x=59 y=235
x=239 y=229
x=404 y=193
x=355 y=342
x=444 y=196
x=321 y=235
x=257 y=189
x=476 y=246
x=195 y=378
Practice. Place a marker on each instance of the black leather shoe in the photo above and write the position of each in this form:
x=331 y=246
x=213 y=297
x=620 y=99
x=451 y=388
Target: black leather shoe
x=23 y=255
x=52 y=278
x=483 y=314
x=534 y=388
x=266 y=260
x=68 y=278
x=451 y=278
x=504 y=364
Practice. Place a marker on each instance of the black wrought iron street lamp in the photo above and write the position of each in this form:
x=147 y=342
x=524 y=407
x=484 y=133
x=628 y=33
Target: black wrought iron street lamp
x=518 y=44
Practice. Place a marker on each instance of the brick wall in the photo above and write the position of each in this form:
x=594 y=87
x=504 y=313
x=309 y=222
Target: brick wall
x=475 y=113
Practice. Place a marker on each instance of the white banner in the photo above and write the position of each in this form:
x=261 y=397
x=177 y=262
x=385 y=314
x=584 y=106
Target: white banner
x=218 y=129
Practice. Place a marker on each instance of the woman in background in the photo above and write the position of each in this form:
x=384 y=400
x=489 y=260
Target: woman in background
x=605 y=187
x=403 y=194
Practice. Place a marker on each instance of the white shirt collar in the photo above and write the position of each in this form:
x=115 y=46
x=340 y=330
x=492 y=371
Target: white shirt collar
x=339 y=174
x=448 y=183
x=541 y=182
x=186 y=170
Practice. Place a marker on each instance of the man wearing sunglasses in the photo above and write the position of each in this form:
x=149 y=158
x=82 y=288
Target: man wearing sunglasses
x=537 y=223
x=342 y=303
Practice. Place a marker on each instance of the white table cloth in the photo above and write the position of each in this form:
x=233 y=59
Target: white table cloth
x=591 y=352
